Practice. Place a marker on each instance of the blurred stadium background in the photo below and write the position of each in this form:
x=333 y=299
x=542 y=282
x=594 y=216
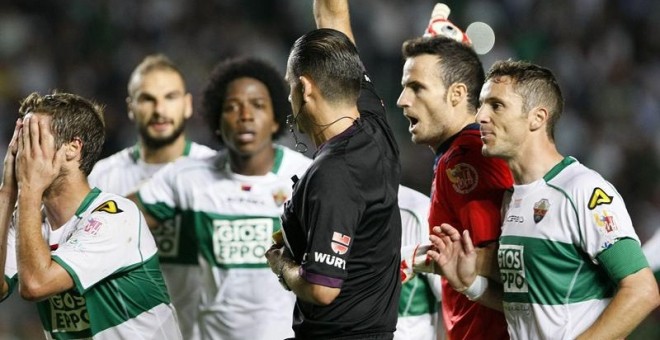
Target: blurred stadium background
x=605 y=53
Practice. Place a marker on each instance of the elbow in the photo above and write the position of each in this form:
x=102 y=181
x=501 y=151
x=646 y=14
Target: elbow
x=323 y=301
x=324 y=296
x=31 y=291
x=647 y=293
x=655 y=301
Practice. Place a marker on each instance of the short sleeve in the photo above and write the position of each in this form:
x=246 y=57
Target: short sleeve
x=369 y=102
x=603 y=215
x=333 y=210
x=157 y=195
x=102 y=244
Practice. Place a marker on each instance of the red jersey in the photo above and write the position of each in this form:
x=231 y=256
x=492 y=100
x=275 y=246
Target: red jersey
x=467 y=193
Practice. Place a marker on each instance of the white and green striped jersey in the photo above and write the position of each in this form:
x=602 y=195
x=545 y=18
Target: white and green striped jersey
x=562 y=238
x=122 y=173
x=119 y=290
x=234 y=218
x=418 y=303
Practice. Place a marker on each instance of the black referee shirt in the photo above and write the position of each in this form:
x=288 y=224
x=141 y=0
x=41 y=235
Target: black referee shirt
x=343 y=225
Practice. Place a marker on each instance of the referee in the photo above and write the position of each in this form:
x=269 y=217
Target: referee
x=342 y=226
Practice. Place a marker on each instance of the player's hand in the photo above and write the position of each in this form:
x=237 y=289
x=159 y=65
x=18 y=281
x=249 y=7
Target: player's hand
x=454 y=256
x=38 y=162
x=414 y=260
x=276 y=256
x=9 y=183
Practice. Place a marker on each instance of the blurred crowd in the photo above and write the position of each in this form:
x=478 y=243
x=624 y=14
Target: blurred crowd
x=605 y=53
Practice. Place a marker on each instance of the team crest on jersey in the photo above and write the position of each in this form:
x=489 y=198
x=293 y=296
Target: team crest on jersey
x=108 y=206
x=340 y=243
x=540 y=209
x=463 y=177
x=599 y=197
x=280 y=196
x=606 y=222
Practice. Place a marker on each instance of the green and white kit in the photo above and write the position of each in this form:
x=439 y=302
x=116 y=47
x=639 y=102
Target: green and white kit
x=567 y=240
x=234 y=217
x=122 y=173
x=119 y=290
x=420 y=296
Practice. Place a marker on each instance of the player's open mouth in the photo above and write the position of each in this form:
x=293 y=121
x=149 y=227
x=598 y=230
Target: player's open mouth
x=245 y=137
x=413 y=123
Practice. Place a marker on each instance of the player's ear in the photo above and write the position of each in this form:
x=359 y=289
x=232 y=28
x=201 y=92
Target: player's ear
x=538 y=117
x=73 y=148
x=456 y=93
x=306 y=87
x=189 y=105
x=131 y=115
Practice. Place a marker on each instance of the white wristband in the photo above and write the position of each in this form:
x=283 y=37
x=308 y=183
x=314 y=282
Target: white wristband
x=477 y=288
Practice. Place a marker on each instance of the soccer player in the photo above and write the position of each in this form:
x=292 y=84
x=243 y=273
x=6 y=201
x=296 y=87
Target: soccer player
x=342 y=225
x=234 y=201
x=85 y=256
x=441 y=83
x=571 y=264
x=159 y=105
x=418 y=304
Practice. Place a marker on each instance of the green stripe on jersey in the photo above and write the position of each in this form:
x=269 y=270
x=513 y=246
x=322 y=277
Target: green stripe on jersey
x=277 y=161
x=160 y=211
x=11 y=283
x=549 y=272
x=109 y=303
x=417 y=298
x=623 y=258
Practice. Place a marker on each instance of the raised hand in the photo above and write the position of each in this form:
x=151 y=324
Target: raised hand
x=454 y=256
x=9 y=183
x=38 y=162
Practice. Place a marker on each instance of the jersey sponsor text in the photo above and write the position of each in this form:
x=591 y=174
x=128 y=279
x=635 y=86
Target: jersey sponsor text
x=167 y=237
x=512 y=268
x=242 y=241
x=68 y=313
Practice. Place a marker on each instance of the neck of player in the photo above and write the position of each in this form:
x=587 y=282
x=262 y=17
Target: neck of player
x=164 y=154
x=331 y=122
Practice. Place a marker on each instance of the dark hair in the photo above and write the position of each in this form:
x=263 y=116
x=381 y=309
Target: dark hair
x=457 y=63
x=151 y=63
x=213 y=94
x=331 y=59
x=72 y=117
x=535 y=84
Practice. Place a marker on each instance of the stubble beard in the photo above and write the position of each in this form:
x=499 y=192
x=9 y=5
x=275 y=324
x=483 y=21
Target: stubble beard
x=159 y=142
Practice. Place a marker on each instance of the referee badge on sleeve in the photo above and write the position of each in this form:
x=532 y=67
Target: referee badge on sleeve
x=340 y=243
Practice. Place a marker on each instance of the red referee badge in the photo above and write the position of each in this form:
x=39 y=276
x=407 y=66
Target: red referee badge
x=340 y=243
